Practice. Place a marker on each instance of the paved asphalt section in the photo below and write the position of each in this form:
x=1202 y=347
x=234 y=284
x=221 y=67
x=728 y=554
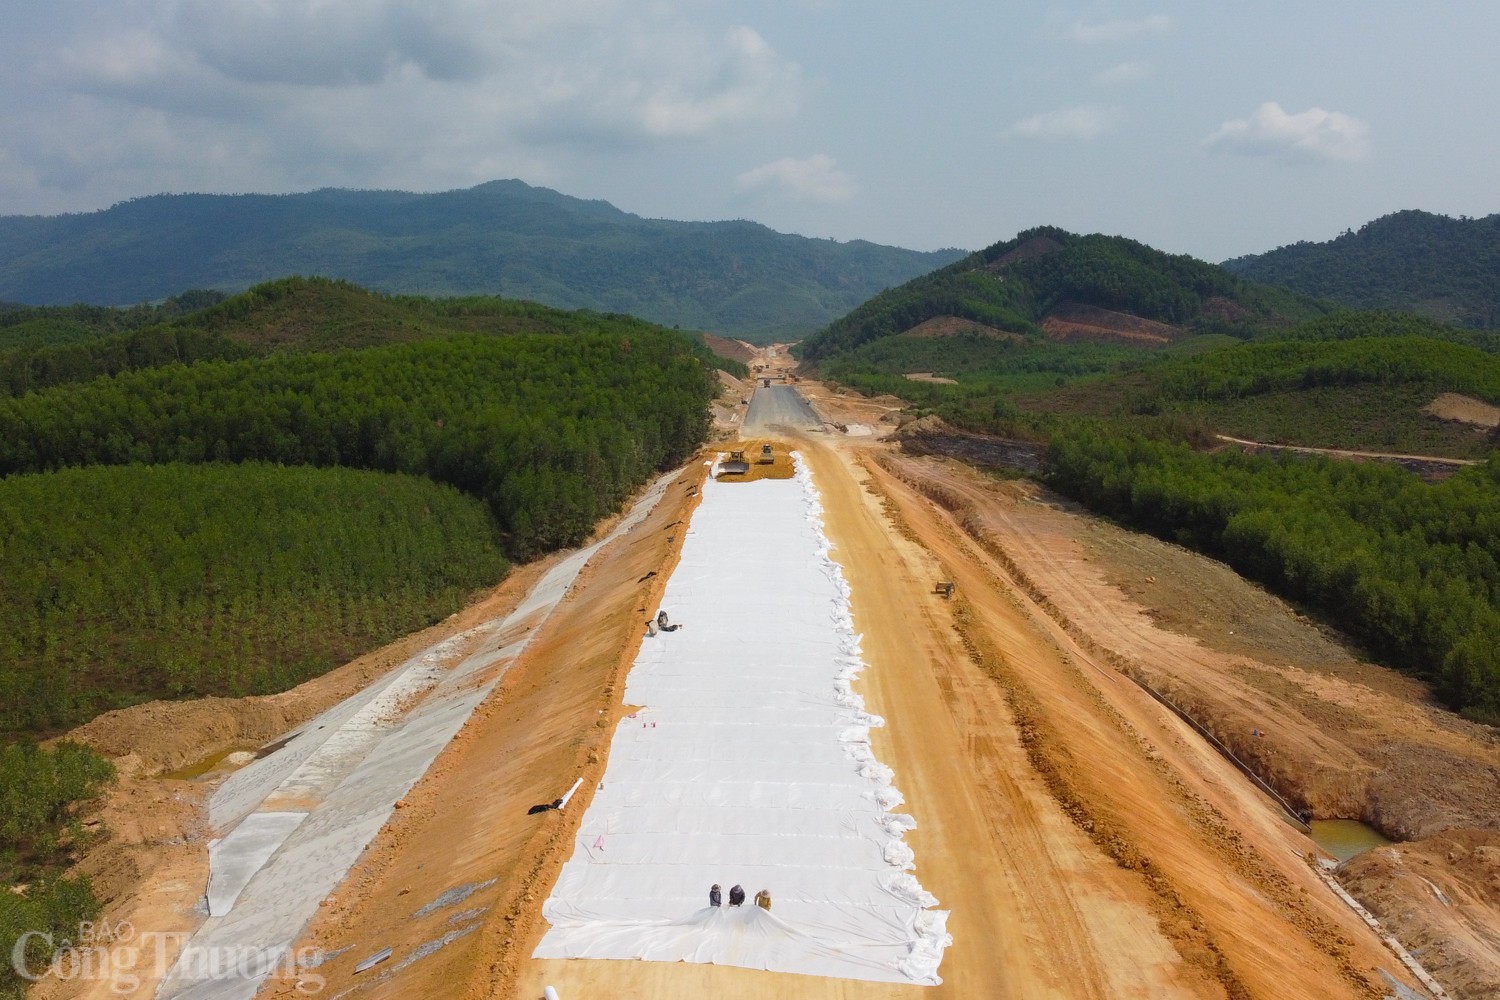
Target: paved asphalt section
x=779 y=406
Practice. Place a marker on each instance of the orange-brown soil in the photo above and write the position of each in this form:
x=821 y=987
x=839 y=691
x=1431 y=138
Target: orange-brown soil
x=734 y=350
x=1441 y=898
x=1340 y=736
x=1465 y=410
x=954 y=326
x=930 y=377
x=1072 y=322
x=1086 y=843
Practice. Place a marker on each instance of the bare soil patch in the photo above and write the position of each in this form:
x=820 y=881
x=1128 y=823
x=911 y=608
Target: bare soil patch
x=954 y=326
x=930 y=377
x=1465 y=410
x=1072 y=322
x=734 y=350
x=1037 y=246
x=1441 y=898
x=780 y=466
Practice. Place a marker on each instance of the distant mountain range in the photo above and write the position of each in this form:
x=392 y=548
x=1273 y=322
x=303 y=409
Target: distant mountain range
x=501 y=238
x=1432 y=265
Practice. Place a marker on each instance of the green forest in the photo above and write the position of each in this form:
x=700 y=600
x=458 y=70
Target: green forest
x=42 y=790
x=1432 y=265
x=126 y=583
x=552 y=432
x=291 y=314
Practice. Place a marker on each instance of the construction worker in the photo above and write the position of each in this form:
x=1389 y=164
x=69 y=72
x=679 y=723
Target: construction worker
x=763 y=900
x=714 y=898
x=737 y=896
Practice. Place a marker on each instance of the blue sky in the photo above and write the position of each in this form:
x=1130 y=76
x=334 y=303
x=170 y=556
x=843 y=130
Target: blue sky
x=1209 y=129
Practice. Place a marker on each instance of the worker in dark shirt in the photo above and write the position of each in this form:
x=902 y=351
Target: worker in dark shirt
x=714 y=898
x=737 y=896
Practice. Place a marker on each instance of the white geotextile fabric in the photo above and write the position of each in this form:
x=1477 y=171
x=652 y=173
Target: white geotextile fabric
x=749 y=762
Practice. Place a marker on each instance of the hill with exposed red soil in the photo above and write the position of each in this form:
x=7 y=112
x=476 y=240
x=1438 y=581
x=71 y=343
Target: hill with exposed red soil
x=1072 y=322
x=955 y=326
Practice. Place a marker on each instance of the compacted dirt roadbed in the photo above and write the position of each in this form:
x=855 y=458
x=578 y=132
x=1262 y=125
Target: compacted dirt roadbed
x=1087 y=843
x=1084 y=841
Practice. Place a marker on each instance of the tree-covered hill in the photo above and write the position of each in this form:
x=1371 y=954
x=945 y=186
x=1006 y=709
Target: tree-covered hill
x=230 y=497
x=1048 y=282
x=291 y=314
x=546 y=420
x=1360 y=381
x=502 y=238
x=1439 y=267
x=553 y=432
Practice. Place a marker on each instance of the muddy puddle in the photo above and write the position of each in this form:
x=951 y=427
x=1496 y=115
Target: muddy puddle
x=1346 y=838
x=199 y=768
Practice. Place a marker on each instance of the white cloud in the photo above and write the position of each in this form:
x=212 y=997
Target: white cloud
x=1084 y=122
x=153 y=95
x=1104 y=32
x=814 y=178
x=742 y=80
x=1124 y=73
x=1312 y=134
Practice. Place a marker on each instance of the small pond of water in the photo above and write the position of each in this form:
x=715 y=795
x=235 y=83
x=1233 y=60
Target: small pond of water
x=202 y=767
x=1345 y=838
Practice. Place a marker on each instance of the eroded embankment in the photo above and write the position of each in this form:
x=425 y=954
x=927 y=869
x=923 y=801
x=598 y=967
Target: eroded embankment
x=1335 y=738
x=1148 y=819
x=1330 y=734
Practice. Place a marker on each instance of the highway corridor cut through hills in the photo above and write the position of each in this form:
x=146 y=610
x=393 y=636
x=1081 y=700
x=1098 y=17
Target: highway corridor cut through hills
x=748 y=763
x=780 y=407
